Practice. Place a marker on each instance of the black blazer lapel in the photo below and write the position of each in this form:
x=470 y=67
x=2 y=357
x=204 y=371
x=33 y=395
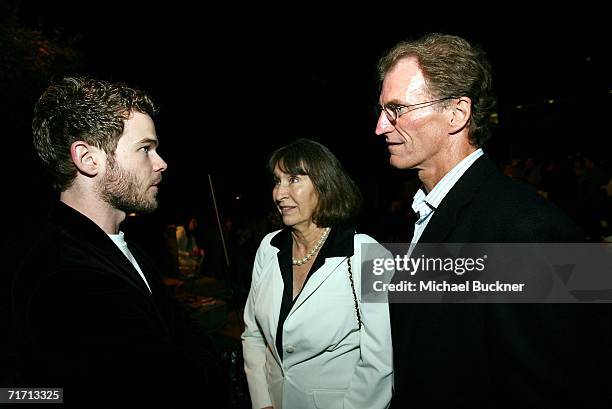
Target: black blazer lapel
x=150 y=271
x=444 y=219
x=128 y=269
x=86 y=232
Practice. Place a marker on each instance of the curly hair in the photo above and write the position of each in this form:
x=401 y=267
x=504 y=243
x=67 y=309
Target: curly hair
x=79 y=108
x=339 y=198
x=451 y=67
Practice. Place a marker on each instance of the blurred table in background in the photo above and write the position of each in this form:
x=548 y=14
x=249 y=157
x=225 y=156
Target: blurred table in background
x=202 y=297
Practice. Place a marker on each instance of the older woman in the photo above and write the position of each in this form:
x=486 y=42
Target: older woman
x=309 y=342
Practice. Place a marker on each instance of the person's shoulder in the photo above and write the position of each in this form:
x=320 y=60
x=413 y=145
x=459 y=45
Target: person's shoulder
x=508 y=202
x=363 y=243
x=270 y=241
x=516 y=196
x=45 y=248
x=56 y=255
x=268 y=237
x=500 y=193
x=362 y=238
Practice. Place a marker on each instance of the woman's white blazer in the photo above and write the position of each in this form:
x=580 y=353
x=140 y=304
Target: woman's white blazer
x=328 y=362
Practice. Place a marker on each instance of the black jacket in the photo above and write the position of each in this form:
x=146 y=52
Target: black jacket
x=500 y=355
x=84 y=320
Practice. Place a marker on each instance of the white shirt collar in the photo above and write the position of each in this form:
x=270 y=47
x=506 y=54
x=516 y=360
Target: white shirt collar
x=424 y=204
x=118 y=239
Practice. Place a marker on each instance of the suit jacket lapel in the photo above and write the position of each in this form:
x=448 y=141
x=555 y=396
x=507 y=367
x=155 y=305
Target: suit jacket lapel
x=150 y=271
x=444 y=219
x=275 y=292
x=86 y=231
x=316 y=280
x=126 y=269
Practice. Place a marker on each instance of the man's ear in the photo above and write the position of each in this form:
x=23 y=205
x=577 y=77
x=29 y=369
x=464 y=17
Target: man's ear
x=461 y=110
x=86 y=157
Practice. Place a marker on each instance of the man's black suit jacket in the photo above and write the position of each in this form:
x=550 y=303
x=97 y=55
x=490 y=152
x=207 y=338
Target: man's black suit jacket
x=85 y=320
x=500 y=355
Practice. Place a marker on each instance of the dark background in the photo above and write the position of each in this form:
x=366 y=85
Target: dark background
x=235 y=82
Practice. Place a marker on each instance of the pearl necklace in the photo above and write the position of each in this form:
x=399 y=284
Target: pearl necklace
x=312 y=252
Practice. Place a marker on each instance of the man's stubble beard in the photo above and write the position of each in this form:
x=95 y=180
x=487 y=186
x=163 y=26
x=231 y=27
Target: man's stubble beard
x=123 y=191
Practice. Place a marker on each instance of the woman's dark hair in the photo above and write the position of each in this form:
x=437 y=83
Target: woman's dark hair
x=339 y=197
